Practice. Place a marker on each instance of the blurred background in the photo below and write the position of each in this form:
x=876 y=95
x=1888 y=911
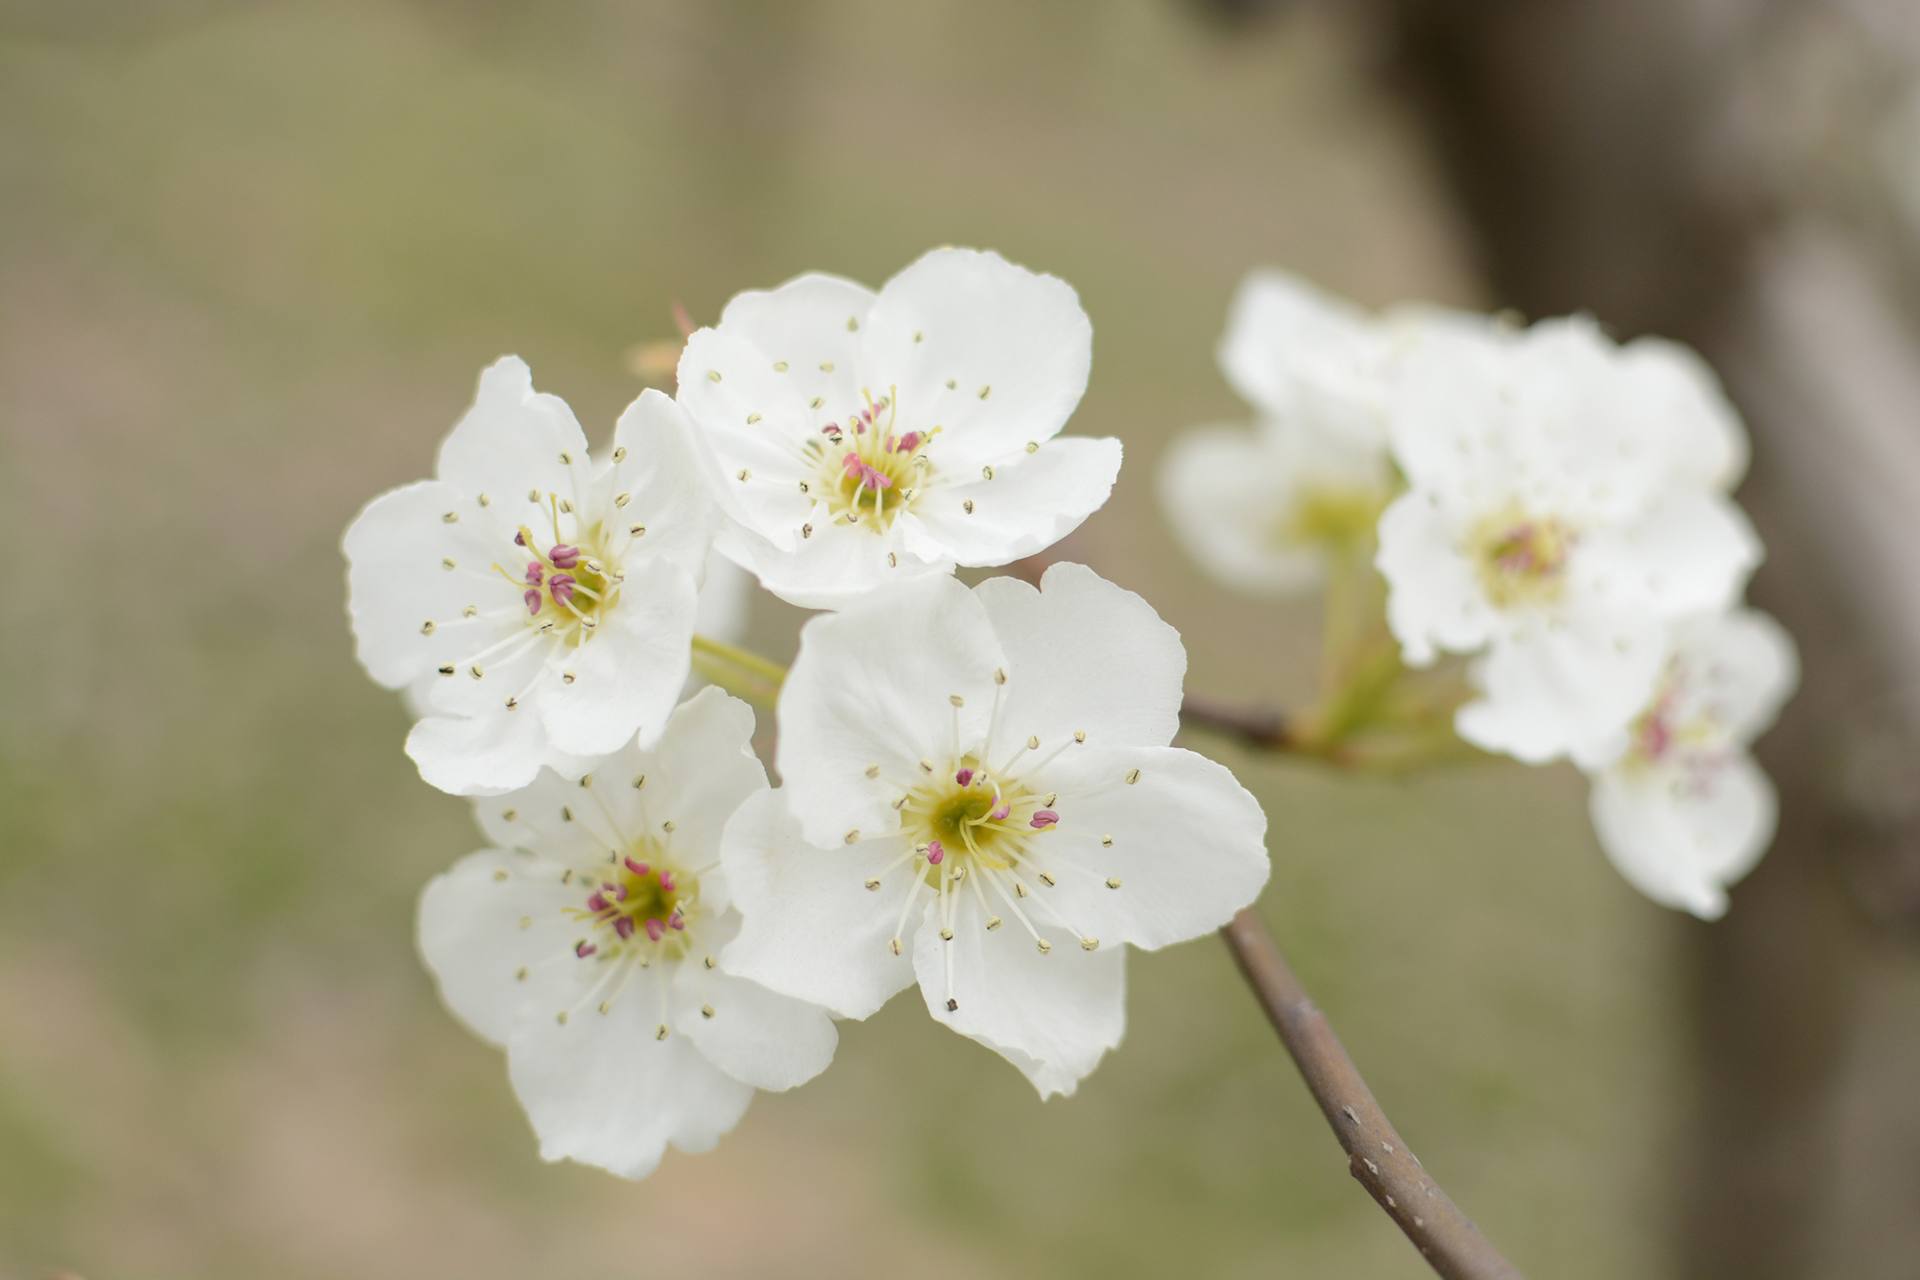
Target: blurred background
x=252 y=258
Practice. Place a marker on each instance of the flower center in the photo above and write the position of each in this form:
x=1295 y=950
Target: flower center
x=1331 y=516
x=963 y=816
x=869 y=472
x=565 y=586
x=1522 y=560
x=637 y=899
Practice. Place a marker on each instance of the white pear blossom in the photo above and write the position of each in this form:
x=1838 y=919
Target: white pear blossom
x=1566 y=504
x=979 y=795
x=1263 y=510
x=538 y=606
x=859 y=439
x=1682 y=809
x=585 y=942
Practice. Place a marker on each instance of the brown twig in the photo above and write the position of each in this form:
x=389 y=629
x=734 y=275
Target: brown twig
x=1253 y=727
x=1376 y=1154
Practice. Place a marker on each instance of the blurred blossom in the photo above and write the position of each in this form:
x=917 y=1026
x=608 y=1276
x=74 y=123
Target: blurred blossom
x=1566 y=504
x=979 y=796
x=1681 y=808
x=859 y=439
x=584 y=943
x=540 y=607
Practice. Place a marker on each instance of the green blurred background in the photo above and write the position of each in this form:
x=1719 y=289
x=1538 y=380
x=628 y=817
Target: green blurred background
x=252 y=258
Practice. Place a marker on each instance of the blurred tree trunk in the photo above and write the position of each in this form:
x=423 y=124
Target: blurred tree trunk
x=1602 y=153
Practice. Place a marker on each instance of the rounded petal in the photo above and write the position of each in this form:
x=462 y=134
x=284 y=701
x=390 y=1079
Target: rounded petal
x=479 y=755
x=608 y=1090
x=1033 y=500
x=810 y=928
x=482 y=922
x=726 y=599
x=751 y=421
x=411 y=556
x=813 y=325
x=871 y=687
x=1303 y=356
x=1739 y=669
x=515 y=439
x=993 y=354
x=1434 y=598
x=625 y=679
x=1164 y=858
x=1053 y=1015
x=1084 y=655
x=1262 y=510
x=769 y=1041
x=1549 y=691
x=1682 y=836
x=700 y=771
x=656 y=483
x=835 y=566
x=1689 y=552
x=1680 y=390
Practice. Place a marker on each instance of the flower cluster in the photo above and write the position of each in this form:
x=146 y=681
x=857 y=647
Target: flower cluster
x=1551 y=506
x=978 y=788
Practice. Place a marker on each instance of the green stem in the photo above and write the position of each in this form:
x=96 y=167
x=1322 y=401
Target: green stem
x=741 y=672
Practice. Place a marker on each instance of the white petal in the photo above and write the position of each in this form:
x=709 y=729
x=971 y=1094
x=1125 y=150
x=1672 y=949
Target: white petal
x=1054 y=1016
x=1550 y=691
x=479 y=756
x=662 y=483
x=1033 y=500
x=1689 y=552
x=871 y=687
x=1304 y=356
x=770 y=1041
x=1434 y=597
x=1235 y=498
x=1681 y=391
x=724 y=382
x=515 y=439
x=1681 y=837
x=810 y=928
x=552 y=817
x=481 y=922
x=726 y=600
x=1738 y=670
x=1188 y=845
x=1015 y=345
x=605 y=1090
x=812 y=324
x=627 y=677
x=397 y=552
x=1084 y=655
x=835 y=566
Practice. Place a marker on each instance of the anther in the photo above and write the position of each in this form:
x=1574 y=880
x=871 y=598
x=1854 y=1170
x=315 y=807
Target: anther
x=620 y=454
x=873 y=771
x=1079 y=735
x=661 y=1034
x=1133 y=776
x=426 y=628
x=985 y=392
x=713 y=375
x=986 y=472
x=956 y=700
x=894 y=946
x=853 y=836
x=873 y=883
x=1046 y=878
x=993 y=922
x=706 y=1011
x=752 y=418
x=1043 y=945
x=709 y=962
x=1089 y=944
x=779 y=366
x=964 y=778
x=500 y=874
x=1106 y=842
x=1033 y=446
x=640 y=782
x=1113 y=883
x=561 y=1017
x=946 y=935
x=447 y=670
x=935 y=852
x=953 y=1006
x=967 y=506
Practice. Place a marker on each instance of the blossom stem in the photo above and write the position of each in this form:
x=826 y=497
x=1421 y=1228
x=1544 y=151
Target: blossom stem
x=1377 y=1156
x=739 y=671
